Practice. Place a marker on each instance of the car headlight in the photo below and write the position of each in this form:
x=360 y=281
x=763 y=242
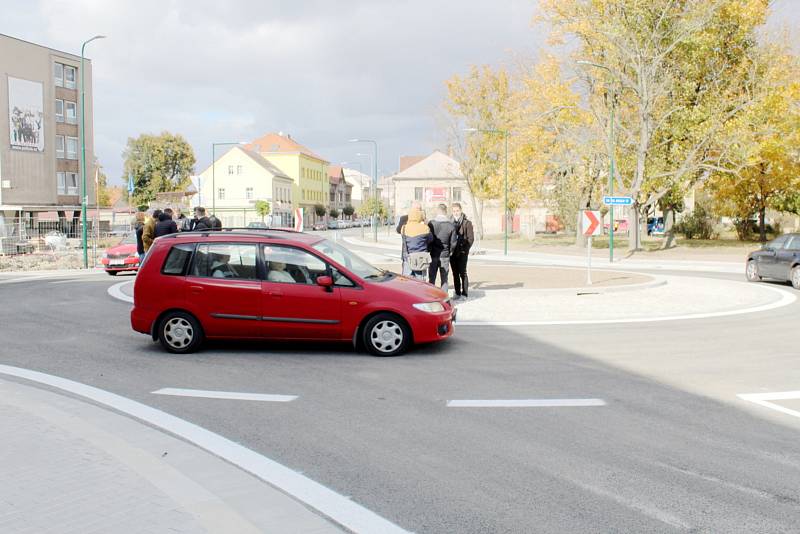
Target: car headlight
x=431 y=307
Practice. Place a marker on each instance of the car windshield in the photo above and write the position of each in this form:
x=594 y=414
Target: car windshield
x=344 y=257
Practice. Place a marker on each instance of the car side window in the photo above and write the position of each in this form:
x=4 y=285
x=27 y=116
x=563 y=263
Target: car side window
x=177 y=259
x=341 y=280
x=289 y=265
x=794 y=243
x=778 y=243
x=226 y=260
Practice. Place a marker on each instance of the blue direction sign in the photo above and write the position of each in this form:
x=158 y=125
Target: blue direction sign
x=617 y=201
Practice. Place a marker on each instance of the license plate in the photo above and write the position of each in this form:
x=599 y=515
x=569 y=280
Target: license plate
x=116 y=262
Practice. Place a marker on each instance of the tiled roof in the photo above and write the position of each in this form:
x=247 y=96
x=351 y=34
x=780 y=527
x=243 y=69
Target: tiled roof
x=335 y=174
x=408 y=161
x=437 y=165
x=273 y=142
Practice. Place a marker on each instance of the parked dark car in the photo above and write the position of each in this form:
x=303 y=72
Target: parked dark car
x=778 y=259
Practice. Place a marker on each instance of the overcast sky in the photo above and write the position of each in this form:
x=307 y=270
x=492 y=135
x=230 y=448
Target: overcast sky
x=322 y=71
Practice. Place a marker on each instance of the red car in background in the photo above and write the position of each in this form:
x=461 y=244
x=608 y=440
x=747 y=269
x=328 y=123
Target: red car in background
x=121 y=257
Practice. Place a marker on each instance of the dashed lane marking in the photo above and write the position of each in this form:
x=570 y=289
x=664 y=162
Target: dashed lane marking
x=231 y=395
x=525 y=403
x=765 y=400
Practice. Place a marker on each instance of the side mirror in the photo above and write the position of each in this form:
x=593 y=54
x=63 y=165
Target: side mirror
x=325 y=281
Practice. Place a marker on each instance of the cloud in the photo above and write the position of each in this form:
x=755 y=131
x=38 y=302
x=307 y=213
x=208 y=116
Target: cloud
x=323 y=71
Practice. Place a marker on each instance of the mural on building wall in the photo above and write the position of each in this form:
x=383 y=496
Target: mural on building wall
x=26 y=114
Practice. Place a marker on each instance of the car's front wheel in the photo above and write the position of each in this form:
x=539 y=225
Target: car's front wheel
x=112 y=273
x=386 y=334
x=796 y=277
x=180 y=333
x=752 y=271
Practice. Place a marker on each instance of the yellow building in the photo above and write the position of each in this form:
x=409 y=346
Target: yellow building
x=308 y=171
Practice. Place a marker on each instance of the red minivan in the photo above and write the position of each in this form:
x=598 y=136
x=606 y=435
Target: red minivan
x=272 y=284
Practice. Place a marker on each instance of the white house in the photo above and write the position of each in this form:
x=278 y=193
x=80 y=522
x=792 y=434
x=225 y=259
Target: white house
x=240 y=177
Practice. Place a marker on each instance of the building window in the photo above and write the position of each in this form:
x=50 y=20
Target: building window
x=230 y=170
x=72 y=148
x=72 y=112
x=248 y=193
x=418 y=192
x=220 y=193
x=72 y=183
x=60 y=146
x=58 y=74
x=239 y=169
x=456 y=194
x=59 y=110
x=61 y=179
x=70 y=77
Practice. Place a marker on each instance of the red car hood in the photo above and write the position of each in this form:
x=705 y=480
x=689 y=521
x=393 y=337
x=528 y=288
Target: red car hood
x=424 y=292
x=122 y=249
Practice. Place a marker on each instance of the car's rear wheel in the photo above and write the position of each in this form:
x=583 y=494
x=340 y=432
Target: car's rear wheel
x=752 y=271
x=796 y=277
x=180 y=333
x=386 y=334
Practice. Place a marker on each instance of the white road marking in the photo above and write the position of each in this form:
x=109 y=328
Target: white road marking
x=232 y=395
x=524 y=403
x=333 y=505
x=116 y=292
x=786 y=299
x=763 y=399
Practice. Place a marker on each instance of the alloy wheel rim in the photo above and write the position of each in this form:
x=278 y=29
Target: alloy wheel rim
x=178 y=332
x=796 y=277
x=751 y=270
x=386 y=336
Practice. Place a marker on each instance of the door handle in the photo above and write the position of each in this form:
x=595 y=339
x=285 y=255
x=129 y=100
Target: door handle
x=196 y=290
x=275 y=293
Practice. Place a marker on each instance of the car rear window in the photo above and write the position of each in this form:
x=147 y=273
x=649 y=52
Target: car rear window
x=178 y=259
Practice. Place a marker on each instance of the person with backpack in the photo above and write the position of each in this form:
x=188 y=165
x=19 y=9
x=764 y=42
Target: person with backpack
x=444 y=241
x=417 y=240
x=465 y=237
x=403 y=220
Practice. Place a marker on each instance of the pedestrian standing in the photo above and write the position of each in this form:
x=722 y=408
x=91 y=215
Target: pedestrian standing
x=465 y=237
x=216 y=224
x=444 y=241
x=183 y=222
x=149 y=230
x=139 y=229
x=165 y=224
x=417 y=240
x=400 y=224
x=200 y=221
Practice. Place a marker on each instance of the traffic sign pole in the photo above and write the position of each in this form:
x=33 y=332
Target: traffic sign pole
x=589 y=262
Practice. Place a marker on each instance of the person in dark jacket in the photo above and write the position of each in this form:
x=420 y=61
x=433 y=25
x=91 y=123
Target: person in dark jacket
x=417 y=240
x=402 y=221
x=139 y=229
x=216 y=224
x=165 y=224
x=465 y=237
x=444 y=241
x=200 y=221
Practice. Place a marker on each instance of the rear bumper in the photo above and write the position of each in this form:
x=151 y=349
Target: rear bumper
x=142 y=320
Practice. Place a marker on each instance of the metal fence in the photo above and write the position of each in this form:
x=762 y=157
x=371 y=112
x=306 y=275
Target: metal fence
x=29 y=236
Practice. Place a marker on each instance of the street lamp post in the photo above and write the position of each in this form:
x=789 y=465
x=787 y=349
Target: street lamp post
x=504 y=133
x=84 y=192
x=214 y=173
x=610 y=158
x=374 y=185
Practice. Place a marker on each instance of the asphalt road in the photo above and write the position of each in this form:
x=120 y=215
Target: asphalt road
x=673 y=449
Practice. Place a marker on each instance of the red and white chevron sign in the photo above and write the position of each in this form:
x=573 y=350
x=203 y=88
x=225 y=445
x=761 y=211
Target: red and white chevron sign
x=591 y=223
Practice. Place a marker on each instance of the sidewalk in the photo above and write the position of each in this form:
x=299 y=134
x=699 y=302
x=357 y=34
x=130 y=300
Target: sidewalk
x=599 y=258
x=71 y=466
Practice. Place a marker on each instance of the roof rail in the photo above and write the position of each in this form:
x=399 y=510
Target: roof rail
x=250 y=229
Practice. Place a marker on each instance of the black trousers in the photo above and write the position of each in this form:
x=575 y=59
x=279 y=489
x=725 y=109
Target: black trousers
x=458 y=265
x=440 y=266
